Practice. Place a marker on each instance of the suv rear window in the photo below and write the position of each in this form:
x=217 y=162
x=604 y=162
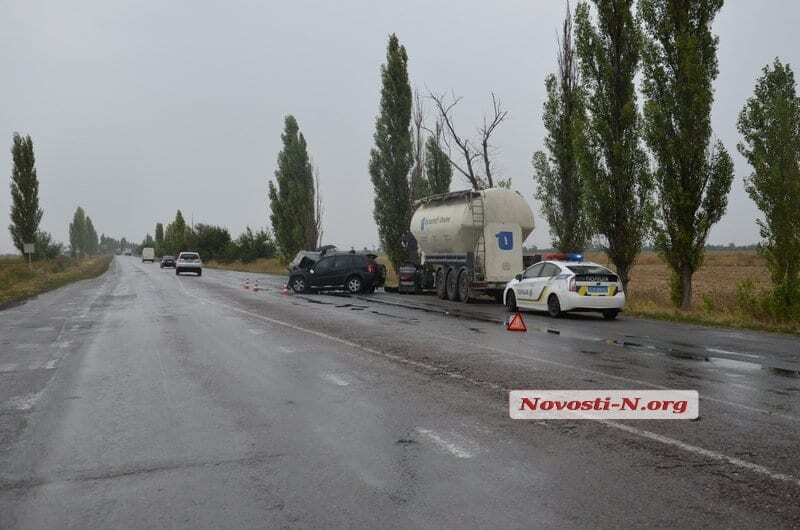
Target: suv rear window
x=189 y=256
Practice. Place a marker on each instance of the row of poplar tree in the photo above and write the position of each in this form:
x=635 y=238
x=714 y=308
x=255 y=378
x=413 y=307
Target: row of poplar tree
x=631 y=176
x=408 y=162
x=611 y=171
x=26 y=213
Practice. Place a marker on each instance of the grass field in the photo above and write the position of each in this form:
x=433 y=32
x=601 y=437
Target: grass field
x=18 y=282
x=714 y=293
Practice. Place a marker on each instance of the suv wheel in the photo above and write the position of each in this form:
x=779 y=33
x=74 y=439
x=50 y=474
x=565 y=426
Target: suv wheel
x=354 y=285
x=298 y=284
x=554 y=306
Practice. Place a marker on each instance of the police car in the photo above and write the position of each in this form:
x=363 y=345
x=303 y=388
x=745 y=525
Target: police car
x=566 y=284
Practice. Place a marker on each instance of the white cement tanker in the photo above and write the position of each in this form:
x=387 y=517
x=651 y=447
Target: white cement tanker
x=471 y=241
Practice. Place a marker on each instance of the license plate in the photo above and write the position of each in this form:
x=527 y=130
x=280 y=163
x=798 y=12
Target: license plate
x=598 y=289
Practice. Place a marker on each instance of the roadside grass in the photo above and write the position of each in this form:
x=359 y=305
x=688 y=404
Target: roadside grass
x=263 y=265
x=18 y=282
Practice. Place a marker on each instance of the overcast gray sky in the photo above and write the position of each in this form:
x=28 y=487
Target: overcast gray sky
x=140 y=107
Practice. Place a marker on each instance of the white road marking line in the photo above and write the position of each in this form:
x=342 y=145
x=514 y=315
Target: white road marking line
x=610 y=376
x=51 y=364
x=453 y=448
x=11 y=367
x=335 y=379
x=714 y=455
x=744 y=464
x=256 y=331
x=396 y=358
x=717 y=350
x=285 y=349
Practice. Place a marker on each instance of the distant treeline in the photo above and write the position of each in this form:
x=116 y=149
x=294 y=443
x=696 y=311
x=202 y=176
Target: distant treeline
x=210 y=241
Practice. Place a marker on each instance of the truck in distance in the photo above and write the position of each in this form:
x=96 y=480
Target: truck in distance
x=148 y=254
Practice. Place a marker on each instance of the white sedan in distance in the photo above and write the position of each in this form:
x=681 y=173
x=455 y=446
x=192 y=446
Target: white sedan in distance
x=559 y=286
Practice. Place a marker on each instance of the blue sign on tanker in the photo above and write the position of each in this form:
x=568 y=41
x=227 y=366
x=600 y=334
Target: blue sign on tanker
x=505 y=240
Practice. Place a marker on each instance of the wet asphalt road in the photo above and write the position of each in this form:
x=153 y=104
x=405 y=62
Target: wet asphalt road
x=145 y=400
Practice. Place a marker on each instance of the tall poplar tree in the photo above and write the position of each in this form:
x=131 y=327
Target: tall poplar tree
x=91 y=243
x=770 y=128
x=77 y=232
x=292 y=196
x=559 y=175
x=392 y=157
x=159 y=239
x=693 y=174
x=25 y=211
x=175 y=239
x=619 y=183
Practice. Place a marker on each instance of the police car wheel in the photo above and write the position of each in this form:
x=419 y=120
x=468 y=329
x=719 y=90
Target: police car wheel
x=511 y=302
x=553 y=306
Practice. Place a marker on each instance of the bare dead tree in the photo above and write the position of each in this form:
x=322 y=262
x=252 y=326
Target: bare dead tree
x=489 y=125
x=468 y=150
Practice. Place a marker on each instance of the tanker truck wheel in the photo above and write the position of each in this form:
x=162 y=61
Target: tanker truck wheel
x=463 y=285
x=452 y=285
x=441 y=288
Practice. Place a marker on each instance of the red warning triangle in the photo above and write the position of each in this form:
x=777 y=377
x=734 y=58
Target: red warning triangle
x=516 y=323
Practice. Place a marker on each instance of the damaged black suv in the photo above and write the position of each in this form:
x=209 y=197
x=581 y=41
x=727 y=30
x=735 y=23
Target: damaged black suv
x=355 y=273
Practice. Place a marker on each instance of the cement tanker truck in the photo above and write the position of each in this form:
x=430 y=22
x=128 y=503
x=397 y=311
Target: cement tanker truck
x=471 y=241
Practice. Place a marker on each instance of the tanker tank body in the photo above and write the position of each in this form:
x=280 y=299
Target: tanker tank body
x=471 y=241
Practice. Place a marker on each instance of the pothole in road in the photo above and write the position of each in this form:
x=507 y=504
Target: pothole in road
x=686 y=356
x=783 y=372
x=396 y=317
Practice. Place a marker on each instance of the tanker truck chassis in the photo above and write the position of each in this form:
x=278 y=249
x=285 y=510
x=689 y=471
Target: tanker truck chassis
x=454 y=277
x=471 y=241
